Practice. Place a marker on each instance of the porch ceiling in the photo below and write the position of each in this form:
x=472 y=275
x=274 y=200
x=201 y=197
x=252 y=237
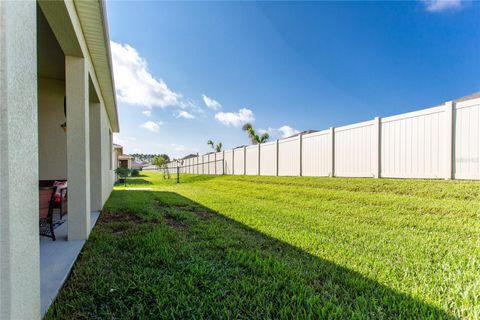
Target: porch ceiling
x=51 y=60
x=81 y=30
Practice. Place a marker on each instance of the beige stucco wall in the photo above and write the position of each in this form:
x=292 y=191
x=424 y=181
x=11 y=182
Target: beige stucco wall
x=107 y=167
x=19 y=246
x=52 y=140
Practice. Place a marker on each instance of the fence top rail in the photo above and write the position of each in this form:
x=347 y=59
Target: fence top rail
x=467 y=103
x=285 y=140
x=316 y=134
x=413 y=114
x=266 y=144
x=355 y=126
x=182 y=165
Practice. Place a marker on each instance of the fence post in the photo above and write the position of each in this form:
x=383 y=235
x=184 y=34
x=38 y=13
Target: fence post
x=377 y=144
x=233 y=161
x=215 y=163
x=259 y=148
x=332 y=150
x=276 y=161
x=300 y=141
x=244 y=160
x=449 y=139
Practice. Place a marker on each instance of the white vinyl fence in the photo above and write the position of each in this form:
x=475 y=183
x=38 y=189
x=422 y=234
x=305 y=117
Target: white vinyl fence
x=441 y=142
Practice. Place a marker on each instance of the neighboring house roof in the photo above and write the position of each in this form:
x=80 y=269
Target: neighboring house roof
x=469 y=97
x=124 y=157
x=303 y=132
x=189 y=156
x=117 y=146
x=136 y=165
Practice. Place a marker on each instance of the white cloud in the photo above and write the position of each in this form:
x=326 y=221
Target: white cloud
x=147 y=113
x=441 y=5
x=135 y=84
x=236 y=119
x=184 y=114
x=123 y=141
x=287 y=131
x=211 y=103
x=282 y=132
x=152 y=126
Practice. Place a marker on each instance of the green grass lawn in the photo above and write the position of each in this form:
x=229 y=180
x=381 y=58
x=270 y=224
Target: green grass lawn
x=280 y=247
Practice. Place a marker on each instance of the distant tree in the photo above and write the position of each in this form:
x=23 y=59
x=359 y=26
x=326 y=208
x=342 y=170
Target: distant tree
x=161 y=163
x=217 y=147
x=165 y=156
x=123 y=173
x=254 y=137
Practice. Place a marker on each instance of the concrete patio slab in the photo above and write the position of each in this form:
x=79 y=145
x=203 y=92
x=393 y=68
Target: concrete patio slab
x=56 y=261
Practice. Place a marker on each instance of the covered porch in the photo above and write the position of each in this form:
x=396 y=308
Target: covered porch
x=74 y=148
x=58 y=113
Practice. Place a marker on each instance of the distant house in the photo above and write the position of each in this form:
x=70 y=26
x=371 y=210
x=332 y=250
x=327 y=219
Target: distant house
x=125 y=161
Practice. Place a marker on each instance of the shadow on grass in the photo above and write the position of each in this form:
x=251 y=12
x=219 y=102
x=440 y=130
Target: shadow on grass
x=137 y=180
x=179 y=259
x=187 y=178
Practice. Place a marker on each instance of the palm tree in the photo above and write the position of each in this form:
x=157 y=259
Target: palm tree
x=217 y=147
x=254 y=137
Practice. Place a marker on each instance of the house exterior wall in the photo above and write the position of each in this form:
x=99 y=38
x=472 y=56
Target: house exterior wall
x=19 y=245
x=107 y=159
x=52 y=140
x=25 y=113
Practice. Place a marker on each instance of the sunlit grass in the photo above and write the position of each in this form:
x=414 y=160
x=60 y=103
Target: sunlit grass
x=280 y=247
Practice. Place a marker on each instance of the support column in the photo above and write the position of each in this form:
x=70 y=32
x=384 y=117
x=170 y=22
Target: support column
x=19 y=244
x=96 y=176
x=376 y=165
x=78 y=148
x=449 y=139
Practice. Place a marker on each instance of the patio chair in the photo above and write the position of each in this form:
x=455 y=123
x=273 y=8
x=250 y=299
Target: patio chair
x=61 y=197
x=46 y=203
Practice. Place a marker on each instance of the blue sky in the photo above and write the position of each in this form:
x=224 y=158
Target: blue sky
x=187 y=72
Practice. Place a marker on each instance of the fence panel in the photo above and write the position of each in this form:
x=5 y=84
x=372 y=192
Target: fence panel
x=316 y=153
x=412 y=144
x=268 y=159
x=353 y=150
x=228 y=161
x=211 y=163
x=289 y=157
x=438 y=142
x=251 y=157
x=467 y=140
x=219 y=163
x=238 y=161
x=204 y=164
